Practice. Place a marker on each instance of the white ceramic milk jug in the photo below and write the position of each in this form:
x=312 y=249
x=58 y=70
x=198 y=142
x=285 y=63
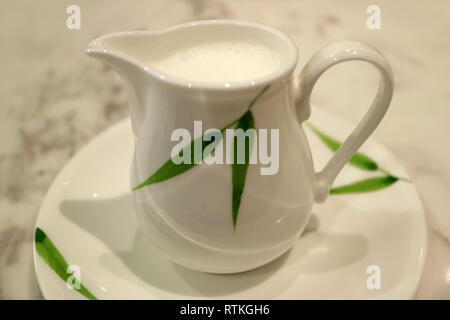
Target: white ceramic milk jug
x=222 y=217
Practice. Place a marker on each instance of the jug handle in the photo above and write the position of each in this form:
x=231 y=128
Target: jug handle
x=325 y=58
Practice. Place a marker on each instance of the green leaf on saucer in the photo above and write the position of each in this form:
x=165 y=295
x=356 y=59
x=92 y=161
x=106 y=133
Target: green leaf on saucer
x=358 y=160
x=239 y=170
x=55 y=260
x=367 y=185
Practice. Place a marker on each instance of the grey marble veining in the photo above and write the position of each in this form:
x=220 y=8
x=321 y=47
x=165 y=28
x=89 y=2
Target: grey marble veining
x=53 y=99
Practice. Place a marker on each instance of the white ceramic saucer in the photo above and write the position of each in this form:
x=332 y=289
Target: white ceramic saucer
x=89 y=217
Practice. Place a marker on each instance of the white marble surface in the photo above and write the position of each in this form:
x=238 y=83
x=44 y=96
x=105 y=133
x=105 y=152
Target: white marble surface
x=53 y=99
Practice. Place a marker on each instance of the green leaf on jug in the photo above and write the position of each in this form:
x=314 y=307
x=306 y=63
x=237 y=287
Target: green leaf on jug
x=252 y=103
x=170 y=169
x=367 y=185
x=46 y=249
x=239 y=170
x=358 y=160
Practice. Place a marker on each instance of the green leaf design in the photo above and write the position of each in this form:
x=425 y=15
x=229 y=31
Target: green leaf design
x=358 y=160
x=252 y=103
x=239 y=170
x=170 y=169
x=367 y=185
x=54 y=259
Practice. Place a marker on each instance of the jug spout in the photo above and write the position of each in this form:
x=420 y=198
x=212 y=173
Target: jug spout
x=123 y=52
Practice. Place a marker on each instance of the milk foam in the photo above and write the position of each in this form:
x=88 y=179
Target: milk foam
x=219 y=61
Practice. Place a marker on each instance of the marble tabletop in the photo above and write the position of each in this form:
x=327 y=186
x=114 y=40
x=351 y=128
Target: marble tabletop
x=54 y=99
